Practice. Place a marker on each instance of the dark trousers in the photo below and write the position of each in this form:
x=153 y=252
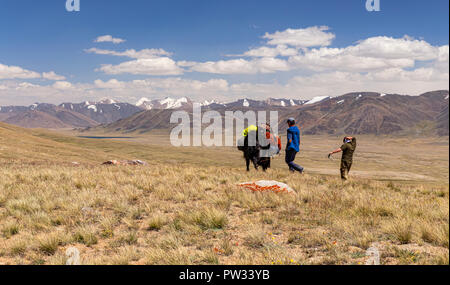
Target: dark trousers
x=345 y=169
x=290 y=157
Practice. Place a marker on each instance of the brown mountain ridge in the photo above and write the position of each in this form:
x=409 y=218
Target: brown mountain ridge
x=353 y=113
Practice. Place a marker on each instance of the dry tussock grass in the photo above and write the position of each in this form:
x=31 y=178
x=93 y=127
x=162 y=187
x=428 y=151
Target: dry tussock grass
x=182 y=210
x=164 y=214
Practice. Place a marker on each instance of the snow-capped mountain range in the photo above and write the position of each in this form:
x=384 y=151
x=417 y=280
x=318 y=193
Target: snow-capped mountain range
x=352 y=113
x=107 y=111
x=171 y=103
x=166 y=103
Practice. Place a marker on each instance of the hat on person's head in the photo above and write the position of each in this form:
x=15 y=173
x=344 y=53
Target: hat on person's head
x=291 y=121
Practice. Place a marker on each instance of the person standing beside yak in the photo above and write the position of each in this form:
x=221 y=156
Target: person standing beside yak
x=293 y=146
x=347 y=149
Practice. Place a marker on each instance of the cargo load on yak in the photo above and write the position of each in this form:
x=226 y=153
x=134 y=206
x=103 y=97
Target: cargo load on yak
x=259 y=146
x=268 y=147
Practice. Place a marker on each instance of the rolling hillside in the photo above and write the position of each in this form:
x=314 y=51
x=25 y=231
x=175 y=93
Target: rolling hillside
x=67 y=115
x=48 y=116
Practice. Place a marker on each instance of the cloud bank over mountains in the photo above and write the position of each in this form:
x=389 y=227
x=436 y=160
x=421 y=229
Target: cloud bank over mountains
x=305 y=56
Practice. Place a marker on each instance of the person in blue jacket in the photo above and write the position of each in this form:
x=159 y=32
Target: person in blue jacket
x=293 y=146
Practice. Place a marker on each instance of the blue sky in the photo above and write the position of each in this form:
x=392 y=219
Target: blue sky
x=41 y=36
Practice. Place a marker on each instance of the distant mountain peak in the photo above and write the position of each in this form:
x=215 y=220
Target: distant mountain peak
x=107 y=101
x=144 y=103
x=317 y=100
x=210 y=102
x=170 y=103
x=166 y=103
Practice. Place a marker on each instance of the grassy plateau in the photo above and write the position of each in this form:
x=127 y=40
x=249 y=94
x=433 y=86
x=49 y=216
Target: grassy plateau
x=185 y=207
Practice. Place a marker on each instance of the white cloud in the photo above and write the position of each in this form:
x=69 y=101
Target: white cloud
x=108 y=38
x=179 y=86
x=185 y=63
x=392 y=48
x=298 y=45
x=25 y=93
x=131 y=53
x=52 y=76
x=111 y=84
x=235 y=66
x=153 y=88
x=258 y=90
x=16 y=72
x=324 y=59
x=382 y=64
x=443 y=54
x=242 y=66
x=375 y=53
x=308 y=37
x=26 y=85
x=336 y=83
x=144 y=66
x=423 y=74
x=62 y=85
x=394 y=80
x=280 y=50
x=442 y=62
x=147 y=62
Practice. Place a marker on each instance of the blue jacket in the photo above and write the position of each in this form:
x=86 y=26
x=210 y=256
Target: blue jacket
x=293 y=139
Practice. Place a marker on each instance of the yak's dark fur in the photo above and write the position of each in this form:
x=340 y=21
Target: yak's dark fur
x=252 y=154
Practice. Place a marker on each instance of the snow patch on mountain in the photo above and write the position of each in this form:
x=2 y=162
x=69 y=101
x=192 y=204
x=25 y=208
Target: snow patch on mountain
x=208 y=103
x=173 y=103
x=145 y=103
x=246 y=103
x=317 y=99
x=107 y=101
x=92 y=107
x=142 y=101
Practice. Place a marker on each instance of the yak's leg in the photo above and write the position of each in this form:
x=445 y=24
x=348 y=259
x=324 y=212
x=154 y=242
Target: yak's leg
x=247 y=161
x=255 y=162
x=266 y=164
